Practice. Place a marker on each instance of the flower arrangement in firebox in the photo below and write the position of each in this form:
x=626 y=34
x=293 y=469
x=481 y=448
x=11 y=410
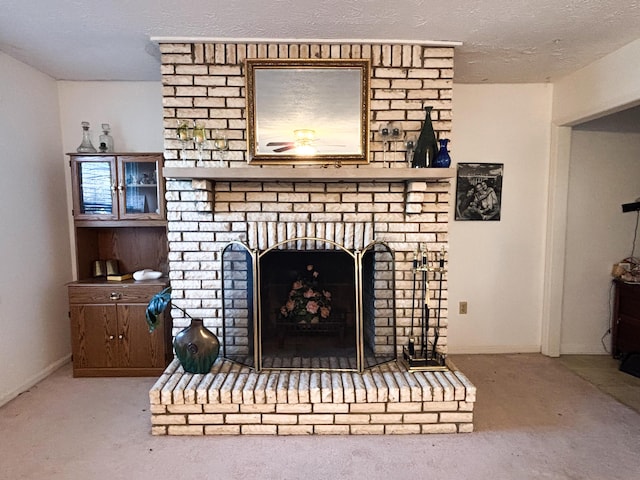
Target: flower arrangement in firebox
x=307 y=302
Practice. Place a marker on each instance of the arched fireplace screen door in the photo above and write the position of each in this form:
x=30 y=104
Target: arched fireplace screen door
x=308 y=304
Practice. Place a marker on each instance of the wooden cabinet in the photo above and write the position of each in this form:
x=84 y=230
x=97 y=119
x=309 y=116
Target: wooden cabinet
x=117 y=186
x=625 y=332
x=110 y=336
x=119 y=214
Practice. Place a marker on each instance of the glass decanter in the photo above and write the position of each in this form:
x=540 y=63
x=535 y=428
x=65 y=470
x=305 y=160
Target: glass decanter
x=86 y=146
x=106 y=140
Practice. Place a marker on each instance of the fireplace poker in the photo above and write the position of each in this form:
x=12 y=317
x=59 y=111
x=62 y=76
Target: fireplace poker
x=440 y=272
x=412 y=341
x=425 y=307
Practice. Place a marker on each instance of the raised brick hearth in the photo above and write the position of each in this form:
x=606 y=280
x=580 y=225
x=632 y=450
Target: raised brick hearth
x=383 y=400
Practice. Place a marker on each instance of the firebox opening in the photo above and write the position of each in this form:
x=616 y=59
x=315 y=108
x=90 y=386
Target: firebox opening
x=308 y=304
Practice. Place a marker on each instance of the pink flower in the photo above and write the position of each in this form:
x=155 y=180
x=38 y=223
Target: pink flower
x=309 y=293
x=309 y=268
x=324 y=312
x=297 y=285
x=283 y=311
x=290 y=305
x=326 y=294
x=312 y=307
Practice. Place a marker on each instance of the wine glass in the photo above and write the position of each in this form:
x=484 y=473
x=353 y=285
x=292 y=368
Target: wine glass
x=220 y=145
x=200 y=139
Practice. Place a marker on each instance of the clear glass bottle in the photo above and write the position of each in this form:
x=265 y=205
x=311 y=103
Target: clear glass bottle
x=86 y=146
x=106 y=140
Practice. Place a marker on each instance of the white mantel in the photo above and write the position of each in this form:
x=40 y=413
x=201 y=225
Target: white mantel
x=310 y=174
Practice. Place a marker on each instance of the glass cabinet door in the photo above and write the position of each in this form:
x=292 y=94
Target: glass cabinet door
x=139 y=188
x=94 y=188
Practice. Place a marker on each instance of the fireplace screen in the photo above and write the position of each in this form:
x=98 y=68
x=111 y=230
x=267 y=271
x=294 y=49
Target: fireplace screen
x=308 y=303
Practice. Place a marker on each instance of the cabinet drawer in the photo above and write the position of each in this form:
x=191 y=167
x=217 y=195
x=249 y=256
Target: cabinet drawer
x=112 y=294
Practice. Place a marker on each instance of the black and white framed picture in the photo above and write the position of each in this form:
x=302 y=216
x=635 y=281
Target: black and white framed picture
x=479 y=191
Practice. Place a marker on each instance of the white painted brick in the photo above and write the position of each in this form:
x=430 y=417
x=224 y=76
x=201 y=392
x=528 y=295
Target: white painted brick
x=465 y=427
x=222 y=430
x=243 y=418
x=168 y=419
x=439 y=428
x=184 y=408
x=295 y=429
x=221 y=408
x=447 y=389
x=367 y=408
x=366 y=429
x=456 y=417
x=185 y=430
x=315 y=419
x=331 y=429
x=295 y=408
x=330 y=408
x=440 y=406
x=401 y=429
x=279 y=419
x=258 y=429
x=206 y=419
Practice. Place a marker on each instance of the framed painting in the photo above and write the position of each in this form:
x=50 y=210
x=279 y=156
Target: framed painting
x=479 y=191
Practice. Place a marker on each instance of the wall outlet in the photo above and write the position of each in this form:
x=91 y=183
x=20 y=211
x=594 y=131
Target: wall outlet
x=462 y=309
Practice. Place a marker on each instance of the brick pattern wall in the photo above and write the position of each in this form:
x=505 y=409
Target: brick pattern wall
x=205 y=82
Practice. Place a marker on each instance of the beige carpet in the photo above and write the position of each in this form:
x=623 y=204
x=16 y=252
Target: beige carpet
x=535 y=419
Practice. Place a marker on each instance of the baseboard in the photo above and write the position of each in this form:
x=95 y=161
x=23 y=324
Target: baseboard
x=582 y=349
x=491 y=349
x=6 y=398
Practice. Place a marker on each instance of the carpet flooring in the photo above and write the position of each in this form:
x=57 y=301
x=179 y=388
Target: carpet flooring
x=534 y=419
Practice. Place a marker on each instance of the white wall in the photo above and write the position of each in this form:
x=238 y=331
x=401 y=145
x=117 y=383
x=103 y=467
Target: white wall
x=132 y=109
x=498 y=267
x=604 y=173
x=34 y=244
x=607 y=85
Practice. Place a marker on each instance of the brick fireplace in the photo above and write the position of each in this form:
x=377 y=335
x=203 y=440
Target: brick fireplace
x=383 y=201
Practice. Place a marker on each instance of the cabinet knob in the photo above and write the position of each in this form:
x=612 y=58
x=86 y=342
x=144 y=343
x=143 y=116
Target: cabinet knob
x=120 y=187
x=111 y=337
x=120 y=337
x=115 y=296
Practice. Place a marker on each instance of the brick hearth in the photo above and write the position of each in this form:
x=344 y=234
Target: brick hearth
x=387 y=399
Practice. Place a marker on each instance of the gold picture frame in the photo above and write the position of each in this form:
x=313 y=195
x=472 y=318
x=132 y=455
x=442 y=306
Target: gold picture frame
x=307 y=111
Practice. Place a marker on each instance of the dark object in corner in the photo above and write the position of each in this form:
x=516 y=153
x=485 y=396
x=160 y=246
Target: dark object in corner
x=630 y=207
x=631 y=364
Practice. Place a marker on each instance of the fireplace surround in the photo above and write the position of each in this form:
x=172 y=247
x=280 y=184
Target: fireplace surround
x=257 y=206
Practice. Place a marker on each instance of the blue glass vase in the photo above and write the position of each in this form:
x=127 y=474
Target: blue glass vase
x=443 y=159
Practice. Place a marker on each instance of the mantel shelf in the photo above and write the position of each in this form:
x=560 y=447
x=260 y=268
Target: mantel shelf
x=305 y=174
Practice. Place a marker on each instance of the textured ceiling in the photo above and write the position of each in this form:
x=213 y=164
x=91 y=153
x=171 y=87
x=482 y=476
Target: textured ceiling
x=503 y=41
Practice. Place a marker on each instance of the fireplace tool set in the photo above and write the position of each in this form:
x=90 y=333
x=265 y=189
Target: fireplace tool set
x=420 y=354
